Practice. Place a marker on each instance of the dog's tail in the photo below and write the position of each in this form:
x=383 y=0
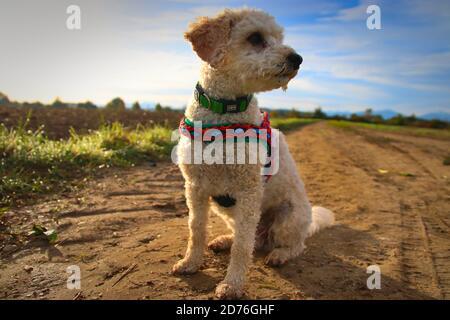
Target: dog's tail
x=321 y=219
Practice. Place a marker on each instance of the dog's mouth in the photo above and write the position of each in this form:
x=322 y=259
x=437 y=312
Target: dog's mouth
x=286 y=72
x=284 y=76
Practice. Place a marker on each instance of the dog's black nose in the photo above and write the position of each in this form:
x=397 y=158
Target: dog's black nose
x=294 y=60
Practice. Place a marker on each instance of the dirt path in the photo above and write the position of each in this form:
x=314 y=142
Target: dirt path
x=398 y=218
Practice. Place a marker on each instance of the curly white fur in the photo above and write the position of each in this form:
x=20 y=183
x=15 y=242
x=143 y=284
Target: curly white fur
x=234 y=67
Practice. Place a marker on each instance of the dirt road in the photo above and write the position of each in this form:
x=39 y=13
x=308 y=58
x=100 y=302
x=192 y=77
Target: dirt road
x=390 y=193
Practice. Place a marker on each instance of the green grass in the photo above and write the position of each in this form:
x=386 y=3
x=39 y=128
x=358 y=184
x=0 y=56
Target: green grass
x=421 y=132
x=30 y=163
x=286 y=124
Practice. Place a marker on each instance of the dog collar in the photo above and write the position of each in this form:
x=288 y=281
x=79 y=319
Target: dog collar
x=221 y=105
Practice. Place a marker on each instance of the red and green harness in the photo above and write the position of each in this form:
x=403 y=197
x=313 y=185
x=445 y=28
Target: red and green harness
x=231 y=131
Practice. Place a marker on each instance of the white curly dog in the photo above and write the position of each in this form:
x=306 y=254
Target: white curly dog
x=243 y=53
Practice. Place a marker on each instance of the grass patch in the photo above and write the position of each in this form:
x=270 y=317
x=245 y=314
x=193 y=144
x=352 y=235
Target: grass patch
x=30 y=163
x=286 y=124
x=420 y=132
x=446 y=161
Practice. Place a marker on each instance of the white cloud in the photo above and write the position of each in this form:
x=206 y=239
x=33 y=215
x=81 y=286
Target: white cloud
x=356 y=13
x=349 y=91
x=167 y=25
x=286 y=102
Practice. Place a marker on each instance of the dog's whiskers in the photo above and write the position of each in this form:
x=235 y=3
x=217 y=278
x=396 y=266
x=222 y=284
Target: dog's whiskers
x=283 y=69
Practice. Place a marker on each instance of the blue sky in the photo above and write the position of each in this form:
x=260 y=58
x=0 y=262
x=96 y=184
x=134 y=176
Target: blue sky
x=136 y=50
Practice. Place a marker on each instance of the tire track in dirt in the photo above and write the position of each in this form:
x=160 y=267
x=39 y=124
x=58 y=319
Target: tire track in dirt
x=361 y=198
x=435 y=230
x=425 y=233
x=415 y=239
x=411 y=221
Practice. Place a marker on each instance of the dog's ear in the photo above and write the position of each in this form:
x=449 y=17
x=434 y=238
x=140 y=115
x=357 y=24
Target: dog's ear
x=209 y=37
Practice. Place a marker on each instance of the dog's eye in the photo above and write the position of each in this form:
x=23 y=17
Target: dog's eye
x=256 y=39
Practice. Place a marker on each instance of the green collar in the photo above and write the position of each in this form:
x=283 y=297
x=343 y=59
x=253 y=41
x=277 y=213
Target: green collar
x=221 y=105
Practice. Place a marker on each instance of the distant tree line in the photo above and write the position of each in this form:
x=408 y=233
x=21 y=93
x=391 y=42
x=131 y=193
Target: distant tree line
x=116 y=104
x=293 y=113
x=368 y=117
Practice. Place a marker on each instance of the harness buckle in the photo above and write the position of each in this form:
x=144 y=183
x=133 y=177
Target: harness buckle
x=196 y=95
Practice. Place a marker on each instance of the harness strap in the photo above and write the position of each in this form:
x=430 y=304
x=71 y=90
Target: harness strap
x=240 y=131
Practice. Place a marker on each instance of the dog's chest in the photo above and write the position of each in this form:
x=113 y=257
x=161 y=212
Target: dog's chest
x=221 y=179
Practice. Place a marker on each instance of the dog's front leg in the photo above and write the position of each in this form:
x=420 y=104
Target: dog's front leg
x=246 y=216
x=197 y=202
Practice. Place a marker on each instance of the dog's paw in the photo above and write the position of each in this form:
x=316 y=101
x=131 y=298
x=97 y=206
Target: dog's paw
x=277 y=258
x=221 y=243
x=185 y=266
x=226 y=291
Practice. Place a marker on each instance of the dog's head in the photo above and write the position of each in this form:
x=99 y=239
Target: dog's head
x=247 y=44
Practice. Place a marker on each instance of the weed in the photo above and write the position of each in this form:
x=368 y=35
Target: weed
x=30 y=163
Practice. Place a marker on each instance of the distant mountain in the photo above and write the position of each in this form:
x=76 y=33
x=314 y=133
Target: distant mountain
x=149 y=105
x=386 y=114
x=444 y=116
x=146 y=105
x=338 y=113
